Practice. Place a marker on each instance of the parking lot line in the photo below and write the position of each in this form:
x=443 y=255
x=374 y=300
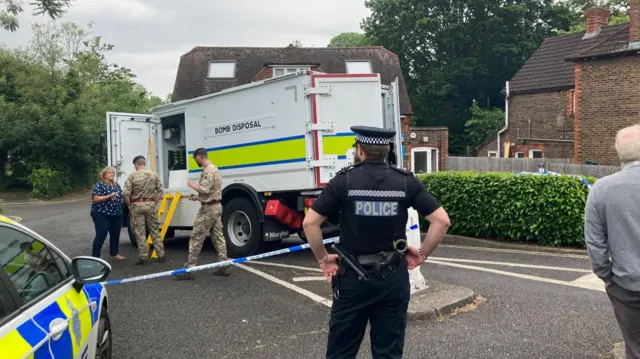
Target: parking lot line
x=518 y=251
x=510 y=264
x=518 y=275
x=316 y=298
x=287 y=266
x=308 y=279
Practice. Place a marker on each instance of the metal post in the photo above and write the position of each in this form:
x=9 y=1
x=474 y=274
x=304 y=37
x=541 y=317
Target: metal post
x=416 y=279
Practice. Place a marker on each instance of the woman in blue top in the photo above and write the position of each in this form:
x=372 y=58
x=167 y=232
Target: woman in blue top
x=106 y=212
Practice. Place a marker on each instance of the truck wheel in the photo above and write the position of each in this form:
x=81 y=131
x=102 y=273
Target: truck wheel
x=171 y=232
x=242 y=229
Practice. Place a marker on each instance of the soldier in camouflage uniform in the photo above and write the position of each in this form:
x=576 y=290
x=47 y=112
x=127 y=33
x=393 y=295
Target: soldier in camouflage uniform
x=142 y=191
x=209 y=217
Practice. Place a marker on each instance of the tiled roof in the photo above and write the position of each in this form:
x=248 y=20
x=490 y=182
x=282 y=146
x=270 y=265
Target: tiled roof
x=548 y=69
x=615 y=44
x=192 y=81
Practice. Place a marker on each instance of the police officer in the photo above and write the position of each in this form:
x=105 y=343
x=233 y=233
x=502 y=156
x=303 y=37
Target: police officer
x=209 y=217
x=372 y=199
x=142 y=192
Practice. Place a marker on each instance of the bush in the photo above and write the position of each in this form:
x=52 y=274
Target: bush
x=49 y=184
x=1 y=206
x=531 y=208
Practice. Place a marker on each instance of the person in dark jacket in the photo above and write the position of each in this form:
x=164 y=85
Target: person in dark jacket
x=106 y=212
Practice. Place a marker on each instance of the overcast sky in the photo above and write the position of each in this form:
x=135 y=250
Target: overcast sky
x=151 y=35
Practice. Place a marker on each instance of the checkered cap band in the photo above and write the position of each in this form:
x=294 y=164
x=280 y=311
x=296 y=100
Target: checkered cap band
x=372 y=140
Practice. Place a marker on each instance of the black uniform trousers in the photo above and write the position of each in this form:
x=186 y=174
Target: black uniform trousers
x=382 y=303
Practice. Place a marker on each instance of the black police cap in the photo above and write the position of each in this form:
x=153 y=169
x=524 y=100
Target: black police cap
x=368 y=135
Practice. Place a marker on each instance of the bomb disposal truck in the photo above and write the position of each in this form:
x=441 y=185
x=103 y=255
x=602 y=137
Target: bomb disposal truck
x=276 y=142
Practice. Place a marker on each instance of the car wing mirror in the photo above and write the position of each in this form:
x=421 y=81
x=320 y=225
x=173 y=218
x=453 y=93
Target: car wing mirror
x=89 y=270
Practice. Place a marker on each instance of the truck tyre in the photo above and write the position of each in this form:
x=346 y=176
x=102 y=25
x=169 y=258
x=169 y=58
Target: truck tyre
x=241 y=227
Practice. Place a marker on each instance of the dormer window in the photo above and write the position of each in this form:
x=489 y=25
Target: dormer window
x=222 y=70
x=284 y=70
x=359 y=67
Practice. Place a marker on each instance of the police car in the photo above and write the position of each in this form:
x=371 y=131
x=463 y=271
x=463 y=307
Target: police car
x=50 y=306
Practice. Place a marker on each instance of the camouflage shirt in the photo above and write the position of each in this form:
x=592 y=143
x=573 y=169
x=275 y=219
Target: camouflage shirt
x=210 y=184
x=142 y=184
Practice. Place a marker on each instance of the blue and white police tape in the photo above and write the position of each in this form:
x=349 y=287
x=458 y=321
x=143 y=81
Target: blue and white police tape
x=226 y=263
x=584 y=181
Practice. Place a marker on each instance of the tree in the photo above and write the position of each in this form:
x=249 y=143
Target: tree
x=483 y=125
x=349 y=39
x=53 y=98
x=619 y=12
x=9 y=16
x=296 y=43
x=454 y=52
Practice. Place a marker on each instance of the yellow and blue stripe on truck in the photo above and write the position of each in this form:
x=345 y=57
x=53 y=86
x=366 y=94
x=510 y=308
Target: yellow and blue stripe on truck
x=272 y=152
x=83 y=317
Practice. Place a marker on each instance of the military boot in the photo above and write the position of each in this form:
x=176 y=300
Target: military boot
x=224 y=271
x=185 y=276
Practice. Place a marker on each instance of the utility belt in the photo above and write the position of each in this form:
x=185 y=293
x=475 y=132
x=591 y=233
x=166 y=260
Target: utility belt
x=381 y=265
x=137 y=200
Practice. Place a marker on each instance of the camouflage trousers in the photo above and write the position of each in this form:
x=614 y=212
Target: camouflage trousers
x=144 y=215
x=208 y=221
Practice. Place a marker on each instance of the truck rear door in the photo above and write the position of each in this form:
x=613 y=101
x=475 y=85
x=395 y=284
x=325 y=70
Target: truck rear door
x=393 y=121
x=338 y=102
x=130 y=135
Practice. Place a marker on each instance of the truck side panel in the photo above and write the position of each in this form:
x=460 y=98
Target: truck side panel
x=254 y=136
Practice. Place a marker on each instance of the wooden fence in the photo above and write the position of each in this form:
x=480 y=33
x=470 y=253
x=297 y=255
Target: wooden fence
x=559 y=165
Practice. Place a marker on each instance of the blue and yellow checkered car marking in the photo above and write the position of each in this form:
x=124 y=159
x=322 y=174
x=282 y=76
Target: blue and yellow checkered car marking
x=29 y=338
x=6 y=220
x=271 y=152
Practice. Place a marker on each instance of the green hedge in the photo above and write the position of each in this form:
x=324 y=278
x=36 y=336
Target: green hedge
x=1 y=206
x=49 y=183
x=532 y=208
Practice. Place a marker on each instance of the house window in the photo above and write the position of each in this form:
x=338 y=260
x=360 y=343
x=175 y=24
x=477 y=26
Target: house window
x=359 y=67
x=535 y=154
x=281 y=71
x=519 y=154
x=493 y=154
x=222 y=70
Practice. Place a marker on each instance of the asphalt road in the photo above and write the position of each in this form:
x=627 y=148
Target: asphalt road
x=264 y=313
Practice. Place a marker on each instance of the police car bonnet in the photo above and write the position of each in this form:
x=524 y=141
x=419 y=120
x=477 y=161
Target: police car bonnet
x=368 y=135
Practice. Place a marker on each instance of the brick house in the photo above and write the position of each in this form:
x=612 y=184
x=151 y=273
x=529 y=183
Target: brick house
x=573 y=83
x=205 y=70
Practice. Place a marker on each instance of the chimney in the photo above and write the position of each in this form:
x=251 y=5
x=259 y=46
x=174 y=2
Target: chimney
x=596 y=17
x=634 y=24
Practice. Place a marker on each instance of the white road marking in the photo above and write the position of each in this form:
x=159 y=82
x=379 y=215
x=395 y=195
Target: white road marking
x=287 y=266
x=509 y=264
x=518 y=275
x=316 y=298
x=503 y=250
x=307 y=279
x=590 y=281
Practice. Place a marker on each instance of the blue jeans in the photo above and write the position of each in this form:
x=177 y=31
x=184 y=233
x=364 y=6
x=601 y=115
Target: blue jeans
x=104 y=225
